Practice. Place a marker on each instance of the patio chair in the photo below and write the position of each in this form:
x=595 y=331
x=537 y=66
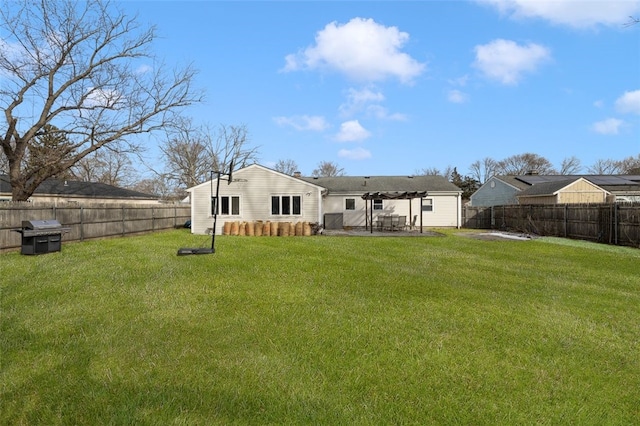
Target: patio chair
x=413 y=222
x=401 y=223
x=387 y=224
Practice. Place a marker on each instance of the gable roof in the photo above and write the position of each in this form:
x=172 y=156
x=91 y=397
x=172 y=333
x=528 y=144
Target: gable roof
x=552 y=187
x=511 y=181
x=239 y=172
x=361 y=184
x=71 y=188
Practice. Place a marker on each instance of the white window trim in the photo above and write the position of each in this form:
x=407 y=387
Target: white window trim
x=230 y=196
x=280 y=195
x=432 y=205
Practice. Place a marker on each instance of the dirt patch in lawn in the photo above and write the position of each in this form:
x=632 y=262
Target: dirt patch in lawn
x=497 y=236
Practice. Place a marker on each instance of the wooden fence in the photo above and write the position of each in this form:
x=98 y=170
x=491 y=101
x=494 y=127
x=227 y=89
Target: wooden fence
x=617 y=224
x=88 y=221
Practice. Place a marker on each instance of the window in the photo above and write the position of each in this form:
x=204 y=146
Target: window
x=350 y=204
x=427 y=204
x=229 y=205
x=284 y=205
x=377 y=204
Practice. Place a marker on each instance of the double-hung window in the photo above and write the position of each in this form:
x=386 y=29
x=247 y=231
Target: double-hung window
x=229 y=205
x=377 y=204
x=349 y=203
x=286 y=205
x=427 y=204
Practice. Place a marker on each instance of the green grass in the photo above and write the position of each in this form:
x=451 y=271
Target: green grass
x=321 y=330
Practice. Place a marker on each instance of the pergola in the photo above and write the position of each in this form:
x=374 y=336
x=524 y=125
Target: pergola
x=370 y=196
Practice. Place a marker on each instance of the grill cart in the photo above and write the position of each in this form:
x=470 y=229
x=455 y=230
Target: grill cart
x=41 y=236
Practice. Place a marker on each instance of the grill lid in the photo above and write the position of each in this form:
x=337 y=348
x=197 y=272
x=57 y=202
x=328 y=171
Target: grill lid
x=48 y=224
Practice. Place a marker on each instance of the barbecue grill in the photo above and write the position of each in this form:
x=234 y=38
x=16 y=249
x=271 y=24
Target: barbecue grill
x=41 y=236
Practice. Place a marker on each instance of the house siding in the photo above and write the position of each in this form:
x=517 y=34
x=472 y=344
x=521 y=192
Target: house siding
x=444 y=213
x=494 y=193
x=579 y=192
x=255 y=186
x=582 y=192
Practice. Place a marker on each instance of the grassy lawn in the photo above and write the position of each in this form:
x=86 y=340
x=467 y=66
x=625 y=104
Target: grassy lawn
x=321 y=330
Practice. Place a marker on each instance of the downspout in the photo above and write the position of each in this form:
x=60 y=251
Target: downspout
x=321 y=194
x=459 y=209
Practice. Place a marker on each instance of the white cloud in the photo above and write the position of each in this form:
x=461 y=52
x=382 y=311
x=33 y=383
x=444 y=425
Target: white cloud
x=352 y=131
x=610 y=126
x=313 y=123
x=361 y=49
x=457 y=97
x=629 y=103
x=598 y=104
x=573 y=13
x=382 y=113
x=106 y=98
x=368 y=101
x=354 y=154
x=357 y=100
x=506 y=61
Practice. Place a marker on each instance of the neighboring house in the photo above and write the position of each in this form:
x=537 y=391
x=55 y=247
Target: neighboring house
x=505 y=190
x=68 y=191
x=441 y=207
x=570 y=191
x=498 y=191
x=259 y=193
x=255 y=193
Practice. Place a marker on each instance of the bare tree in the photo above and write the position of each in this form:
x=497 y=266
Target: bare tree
x=630 y=165
x=604 y=167
x=192 y=153
x=327 y=169
x=429 y=171
x=521 y=164
x=79 y=66
x=188 y=156
x=232 y=143
x=434 y=171
x=288 y=167
x=110 y=166
x=155 y=186
x=570 y=166
x=483 y=170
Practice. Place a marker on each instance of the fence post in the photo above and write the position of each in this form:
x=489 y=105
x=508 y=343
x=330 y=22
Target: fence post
x=123 y=222
x=81 y=223
x=566 y=220
x=616 y=222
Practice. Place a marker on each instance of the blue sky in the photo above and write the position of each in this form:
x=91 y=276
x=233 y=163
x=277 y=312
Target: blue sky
x=390 y=88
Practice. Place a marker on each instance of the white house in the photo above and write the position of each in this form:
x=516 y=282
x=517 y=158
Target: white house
x=259 y=193
x=441 y=206
x=255 y=193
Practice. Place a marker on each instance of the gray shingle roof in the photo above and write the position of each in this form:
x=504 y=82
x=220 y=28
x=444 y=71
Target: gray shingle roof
x=79 y=189
x=546 y=188
x=361 y=184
